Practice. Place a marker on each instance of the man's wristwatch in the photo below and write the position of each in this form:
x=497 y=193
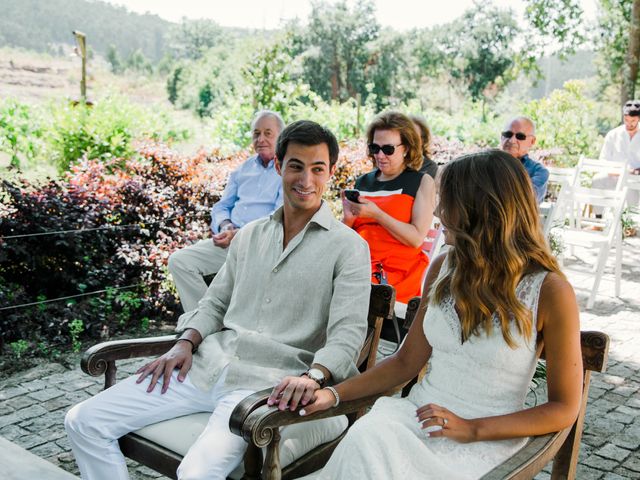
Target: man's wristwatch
x=227 y=226
x=316 y=375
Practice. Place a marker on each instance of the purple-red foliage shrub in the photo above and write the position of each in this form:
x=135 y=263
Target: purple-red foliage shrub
x=162 y=200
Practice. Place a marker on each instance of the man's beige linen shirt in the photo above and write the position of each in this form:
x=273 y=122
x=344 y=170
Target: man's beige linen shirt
x=270 y=313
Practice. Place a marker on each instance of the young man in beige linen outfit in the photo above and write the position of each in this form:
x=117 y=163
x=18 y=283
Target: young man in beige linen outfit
x=290 y=301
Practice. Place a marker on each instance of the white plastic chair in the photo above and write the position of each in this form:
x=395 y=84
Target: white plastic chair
x=585 y=230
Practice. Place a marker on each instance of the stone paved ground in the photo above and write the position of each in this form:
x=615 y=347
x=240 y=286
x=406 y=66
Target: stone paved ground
x=33 y=403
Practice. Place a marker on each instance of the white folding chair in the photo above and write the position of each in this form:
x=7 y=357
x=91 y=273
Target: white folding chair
x=632 y=183
x=558 y=177
x=584 y=230
x=588 y=168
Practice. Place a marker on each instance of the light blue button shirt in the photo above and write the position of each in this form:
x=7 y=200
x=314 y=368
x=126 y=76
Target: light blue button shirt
x=253 y=191
x=539 y=176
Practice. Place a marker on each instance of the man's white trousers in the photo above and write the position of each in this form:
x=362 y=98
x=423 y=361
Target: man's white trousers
x=95 y=425
x=187 y=267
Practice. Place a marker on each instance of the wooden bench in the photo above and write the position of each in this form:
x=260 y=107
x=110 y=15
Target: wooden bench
x=101 y=360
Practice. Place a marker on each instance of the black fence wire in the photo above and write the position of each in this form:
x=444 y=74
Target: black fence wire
x=140 y=225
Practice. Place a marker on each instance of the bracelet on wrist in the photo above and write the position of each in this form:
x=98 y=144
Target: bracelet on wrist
x=194 y=347
x=335 y=394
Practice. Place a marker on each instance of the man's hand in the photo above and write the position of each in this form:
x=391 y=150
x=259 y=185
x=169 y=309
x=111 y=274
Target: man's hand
x=440 y=422
x=179 y=356
x=223 y=239
x=292 y=391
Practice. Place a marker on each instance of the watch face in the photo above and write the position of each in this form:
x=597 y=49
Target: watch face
x=316 y=374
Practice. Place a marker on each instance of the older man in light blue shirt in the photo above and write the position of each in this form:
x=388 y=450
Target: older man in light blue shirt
x=517 y=139
x=253 y=191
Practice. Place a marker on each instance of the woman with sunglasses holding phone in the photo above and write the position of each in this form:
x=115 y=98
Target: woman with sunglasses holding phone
x=395 y=207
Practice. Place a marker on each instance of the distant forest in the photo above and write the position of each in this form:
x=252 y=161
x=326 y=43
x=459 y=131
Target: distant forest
x=149 y=43
x=43 y=25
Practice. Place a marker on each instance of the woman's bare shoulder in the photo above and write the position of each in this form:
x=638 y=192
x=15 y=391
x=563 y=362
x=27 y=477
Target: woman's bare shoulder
x=556 y=287
x=434 y=268
x=557 y=301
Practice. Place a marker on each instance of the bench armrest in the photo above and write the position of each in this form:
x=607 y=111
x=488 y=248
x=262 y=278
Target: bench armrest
x=100 y=359
x=531 y=458
x=259 y=424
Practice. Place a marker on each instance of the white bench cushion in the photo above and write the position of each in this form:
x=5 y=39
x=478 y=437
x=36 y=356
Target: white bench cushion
x=178 y=434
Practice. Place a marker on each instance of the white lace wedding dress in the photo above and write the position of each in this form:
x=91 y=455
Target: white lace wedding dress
x=478 y=378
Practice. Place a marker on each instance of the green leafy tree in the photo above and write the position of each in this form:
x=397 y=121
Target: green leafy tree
x=191 y=39
x=630 y=73
x=617 y=40
x=113 y=57
x=335 y=52
x=619 y=46
x=137 y=62
x=557 y=28
x=481 y=48
x=391 y=71
x=566 y=119
x=173 y=83
x=271 y=74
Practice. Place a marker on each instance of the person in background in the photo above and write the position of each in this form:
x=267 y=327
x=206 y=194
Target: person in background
x=395 y=206
x=428 y=166
x=254 y=190
x=622 y=144
x=517 y=139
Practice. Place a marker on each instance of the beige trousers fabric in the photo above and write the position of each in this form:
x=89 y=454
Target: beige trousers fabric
x=188 y=266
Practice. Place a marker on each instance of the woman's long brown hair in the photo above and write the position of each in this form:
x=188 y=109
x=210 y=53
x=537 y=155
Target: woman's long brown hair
x=488 y=206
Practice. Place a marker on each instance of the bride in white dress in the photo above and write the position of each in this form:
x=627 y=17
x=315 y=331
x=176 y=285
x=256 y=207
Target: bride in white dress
x=487 y=303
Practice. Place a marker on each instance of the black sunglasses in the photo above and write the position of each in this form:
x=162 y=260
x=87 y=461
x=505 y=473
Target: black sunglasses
x=520 y=136
x=386 y=149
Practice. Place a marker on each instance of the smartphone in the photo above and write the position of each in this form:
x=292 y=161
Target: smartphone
x=352 y=195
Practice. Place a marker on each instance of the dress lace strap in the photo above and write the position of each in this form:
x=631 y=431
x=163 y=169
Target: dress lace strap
x=528 y=291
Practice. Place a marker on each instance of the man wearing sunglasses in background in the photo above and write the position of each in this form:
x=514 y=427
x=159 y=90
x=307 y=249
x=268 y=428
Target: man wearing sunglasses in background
x=517 y=139
x=622 y=144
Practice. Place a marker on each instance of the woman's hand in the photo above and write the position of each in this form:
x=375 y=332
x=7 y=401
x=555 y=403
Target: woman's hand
x=364 y=208
x=348 y=216
x=292 y=391
x=322 y=400
x=452 y=426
